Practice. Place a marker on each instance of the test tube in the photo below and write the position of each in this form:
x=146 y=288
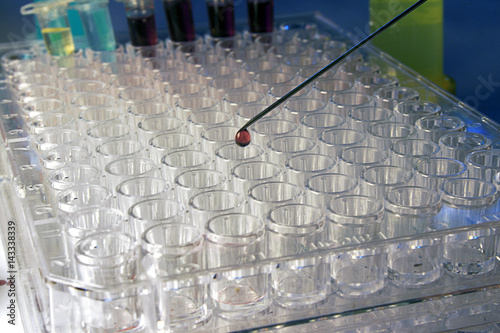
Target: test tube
x=389 y=97
x=267 y=195
x=322 y=188
x=230 y=155
x=175 y=91
x=249 y=68
x=353 y=160
x=233 y=100
x=214 y=137
x=76 y=88
x=369 y=83
x=249 y=174
x=221 y=18
x=384 y=134
x=128 y=167
x=333 y=141
x=301 y=167
x=177 y=162
x=51 y=139
x=222 y=85
x=35 y=92
x=346 y=101
x=361 y=118
x=280 y=149
x=103 y=132
x=409 y=111
x=306 y=72
x=484 y=164
x=433 y=127
x=324 y=89
x=53 y=21
x=64 y=155
x=147 y=213
x=465 y=201
x=151 y=127
x=295 y=229
x=42 y=105
x=91 y=220
x=208 y=204
x=141 y=22
x=165 y=143
x=131 y=96
x=313 y=125
x=432 y=172
x=114 y=149
x=96 y=22
x=82 y=196
x=133 y=190
x=409 y=210
x=407 y=151
x=160 y=63
x=351 y=71
x=260 y=16
x=68 y=74
x=170 y=249
x=297 y=108
x=248 y=111
x=179 y=14
x=164 y=78
x=50 y=121
x=112 y=69
x=187 y=105
x=122 y=82
x=294 y=63
x=20 y=81
x=353 y=219
x=359 y=272
x=69 y=176
x=199 y=121
x=192 y=182
x=225 y=46
x=268 y=129
x=82 y=102
x=95 y=115
x=236 y=239
x=108 y=259
x=139 y=112
x=460 y=144
x=281 y=90
x=263 y=81
x=376 y=181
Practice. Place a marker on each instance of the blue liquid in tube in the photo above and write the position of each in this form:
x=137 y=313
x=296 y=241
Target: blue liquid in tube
x=97 y=25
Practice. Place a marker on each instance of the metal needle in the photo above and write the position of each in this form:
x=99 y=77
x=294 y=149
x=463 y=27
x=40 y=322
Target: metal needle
x=243 y=130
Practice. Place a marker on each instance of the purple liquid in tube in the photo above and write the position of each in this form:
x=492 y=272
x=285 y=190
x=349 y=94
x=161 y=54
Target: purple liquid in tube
x=260 y=15
x=221 y=17
x=180 y=20
x=142 y=27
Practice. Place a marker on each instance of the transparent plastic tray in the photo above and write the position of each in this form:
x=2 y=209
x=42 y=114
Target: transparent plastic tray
x=54 y=299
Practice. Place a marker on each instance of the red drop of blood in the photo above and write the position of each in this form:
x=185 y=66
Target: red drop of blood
x=242 y=138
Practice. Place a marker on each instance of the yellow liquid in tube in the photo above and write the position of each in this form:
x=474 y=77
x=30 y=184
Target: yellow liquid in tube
x=416 y=40
x=58 y=41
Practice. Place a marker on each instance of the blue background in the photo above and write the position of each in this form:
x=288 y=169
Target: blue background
x=471 y=36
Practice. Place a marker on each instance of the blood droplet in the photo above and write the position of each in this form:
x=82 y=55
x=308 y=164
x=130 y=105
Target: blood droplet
x=242 y=138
